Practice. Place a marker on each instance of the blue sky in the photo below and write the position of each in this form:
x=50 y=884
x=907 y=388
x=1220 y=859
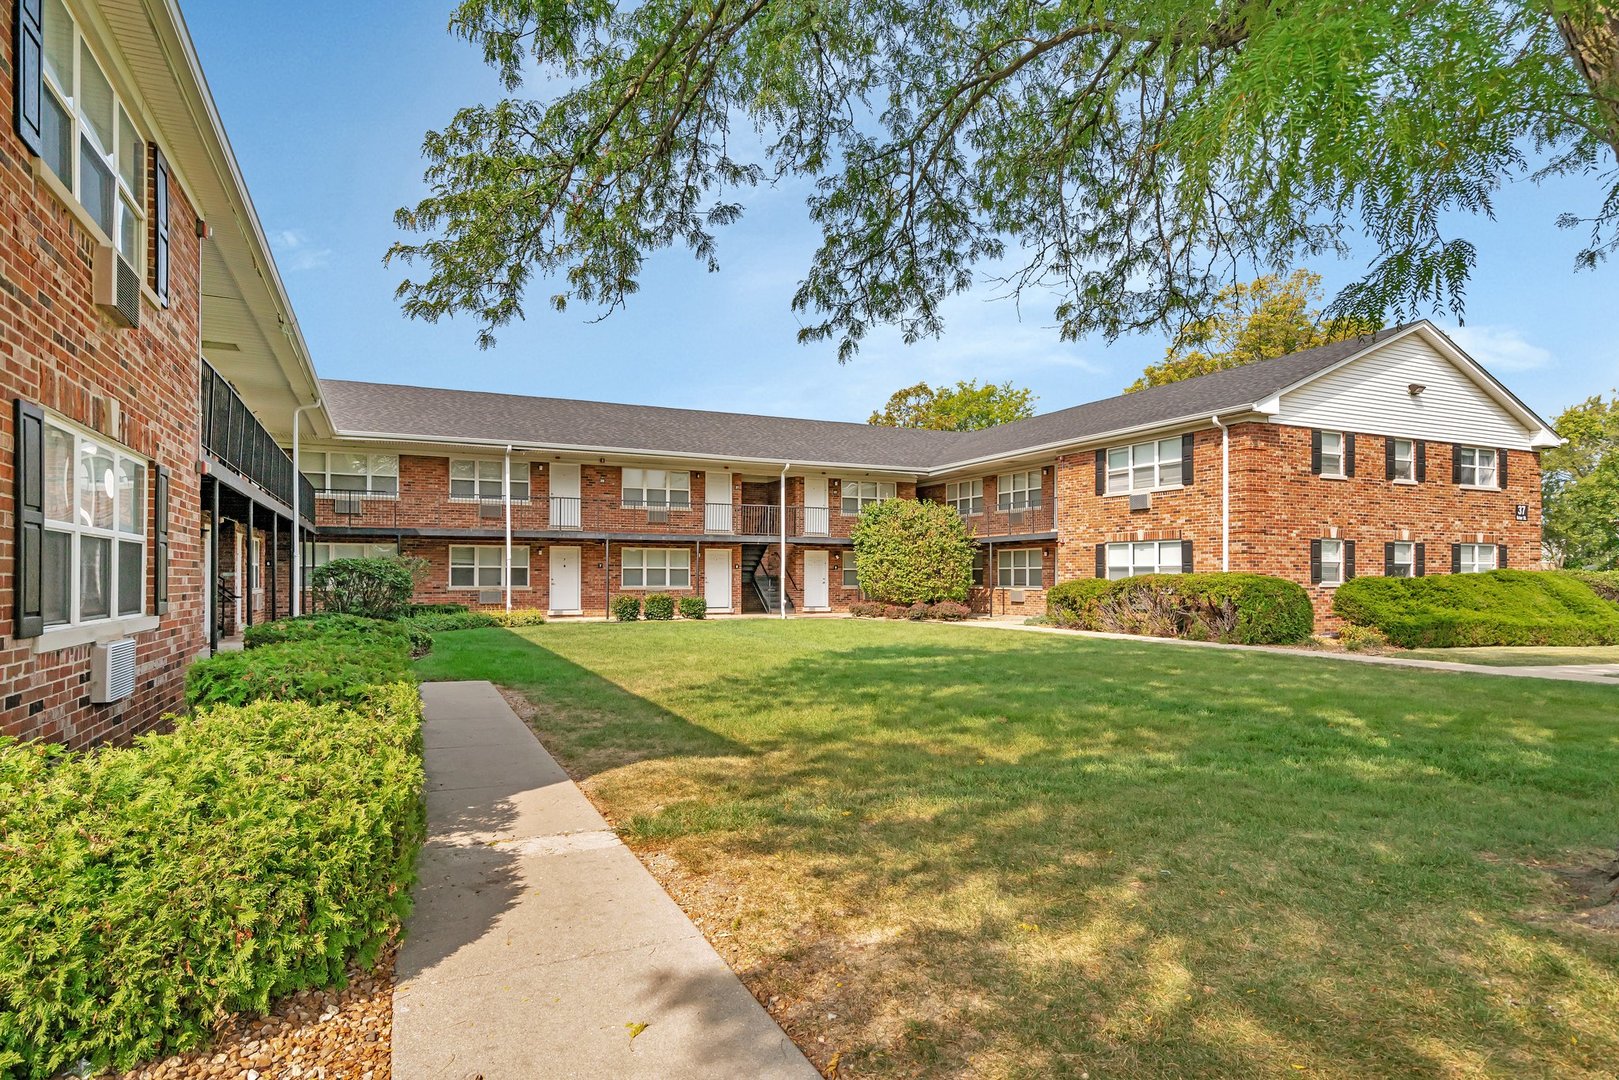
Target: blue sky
x=327 y=124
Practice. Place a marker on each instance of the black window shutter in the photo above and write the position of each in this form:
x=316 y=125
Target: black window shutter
x=1388 y=458
x=29 y=70
x=1455 y=558
x=1349 y=453
x=1349 y=559
x=1388 y=559
x=1186 y=556
x=1186 y=459
x=1315 y=452
x=1501 y=469
x=28 y=618
x=1500 y=556
x=1101 y=560
x=160 y=226
x=1315 y=562
x=1419 y=561
x=160 y=541
x=1422 y=461
x=1101 y=472
x=1455 y=463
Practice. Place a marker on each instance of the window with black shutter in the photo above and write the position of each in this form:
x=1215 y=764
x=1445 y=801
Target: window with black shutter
x=160 y=541
x=1420 y=563
x=1349 y=453
x=1101 y=560
x=1186 y=556
x=1349 y=560
x=28 y=616
x=160 y=226
x=29 y=69
x=1186 y=459
x=1501 y=468
x=1101 y=474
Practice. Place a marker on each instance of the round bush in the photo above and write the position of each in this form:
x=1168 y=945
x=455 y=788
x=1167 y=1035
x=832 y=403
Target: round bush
x=909 y=552
x=375 y=588
x=1074 y=603
x=693 y=607
x=626 y=607
x=658 y=606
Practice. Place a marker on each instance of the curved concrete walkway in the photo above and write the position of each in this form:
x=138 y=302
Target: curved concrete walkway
x=1605 y=674
x=539 y=944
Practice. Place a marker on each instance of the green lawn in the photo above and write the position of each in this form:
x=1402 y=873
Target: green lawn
x=1522 y=656
x=967 y=853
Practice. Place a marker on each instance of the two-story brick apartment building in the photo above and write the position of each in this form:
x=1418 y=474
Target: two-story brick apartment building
x=1393 y=454
x=141 y=494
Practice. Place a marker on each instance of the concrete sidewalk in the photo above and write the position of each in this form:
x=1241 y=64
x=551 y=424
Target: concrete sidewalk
x=538 y=939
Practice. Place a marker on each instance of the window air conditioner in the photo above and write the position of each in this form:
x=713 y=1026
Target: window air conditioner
x=1141 y=501
x=117 y=286
x=112 y=671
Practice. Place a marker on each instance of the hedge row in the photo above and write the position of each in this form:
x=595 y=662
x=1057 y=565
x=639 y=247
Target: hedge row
x=943 y=611
x=657 y=607
x=1501 y=607
x=460 y=618
x=1244 y=609
x=253 y=852
x=319 y=659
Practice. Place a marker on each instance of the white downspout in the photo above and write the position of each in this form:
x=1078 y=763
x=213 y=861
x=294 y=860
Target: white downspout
x=1225 y=494
x=297 y=522
x=506 y=497
x=781 y=577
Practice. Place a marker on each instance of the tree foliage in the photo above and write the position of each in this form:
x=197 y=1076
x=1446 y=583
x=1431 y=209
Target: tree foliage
x=1257 y=320
x=1580 y=487
x=1131 y=159
x=967 y=406
x=909 y=551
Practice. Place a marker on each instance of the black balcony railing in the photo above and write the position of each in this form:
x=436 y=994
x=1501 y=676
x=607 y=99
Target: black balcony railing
x=233 y=435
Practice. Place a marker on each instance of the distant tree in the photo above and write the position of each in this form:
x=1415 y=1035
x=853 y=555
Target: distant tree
x=966 y=406
x=1261 y=320
x=1579 y=485
x=909 y=551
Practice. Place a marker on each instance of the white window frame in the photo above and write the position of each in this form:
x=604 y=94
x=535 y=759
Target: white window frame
x=1408 y=549
x=1335 y=579
x=486 y=472
x=851 y=575
x=326 y=552
x=1020 y=568
x=1468 y=560
x=967 y=496
x=1018 y=491
x=666 y=563
x=79 y=525
x=658 y=489
x=128 y=200
x=1406 y=463
x=487 y=563
x=1145 y=466
x=380 y=478
x=865 y=493
x=1137 y=558
x=1336 y=471
x=1483 y=476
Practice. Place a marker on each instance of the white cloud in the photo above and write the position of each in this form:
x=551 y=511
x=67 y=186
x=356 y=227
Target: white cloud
x=1500 y=348
x=295 y=251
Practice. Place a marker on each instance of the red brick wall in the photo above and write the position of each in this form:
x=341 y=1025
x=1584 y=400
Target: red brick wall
x=57 y=349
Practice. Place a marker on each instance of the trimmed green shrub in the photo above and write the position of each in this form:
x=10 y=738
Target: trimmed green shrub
x=950 y=611
x=866 y=609
x=438 y=622
x=693 y=607
x=1243 y=609
x=626 y=607
x=519 y=617
x=1605 y=583
x=658 y=606
x=377 y=588
x=917 y=612
x=1501 y=607
x=436 y=609
x=305 y=627
x=253 y=852
x=896 y=611
x=336 y=667
x=908 y=552
x=1362 y=638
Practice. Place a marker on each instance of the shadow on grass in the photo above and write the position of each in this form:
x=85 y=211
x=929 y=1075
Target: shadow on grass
x=1037 y=856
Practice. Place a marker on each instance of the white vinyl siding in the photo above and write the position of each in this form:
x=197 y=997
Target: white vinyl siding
x=1146 y=557
x=657 y=489
x=656 y=568
x=1020 y=568
x=967 y=496
x=1144 y=466
x=478 y=567
x=859 y=494
x=1373 y=395
x=341 y=470
x=481 y=479
x=1476 y=466
x=1475 y=558
x=93 y=565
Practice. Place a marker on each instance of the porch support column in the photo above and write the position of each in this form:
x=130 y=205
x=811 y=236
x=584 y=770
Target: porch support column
x=506 y=497
x=213 y=603
x=275 y=566
x=247 y=549
x=781 y=576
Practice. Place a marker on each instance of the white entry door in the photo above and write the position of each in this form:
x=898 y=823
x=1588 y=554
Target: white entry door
x=717 y=578
x=817 y=582
x=817 y=518
x=564 y=580
x=565 y=509
x=717 y=502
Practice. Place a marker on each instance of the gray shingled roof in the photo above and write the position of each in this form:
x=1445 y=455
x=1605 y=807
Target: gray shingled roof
x=358 y=408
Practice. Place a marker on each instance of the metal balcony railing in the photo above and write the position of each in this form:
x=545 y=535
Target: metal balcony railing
x=998 y=521
x=234 y=436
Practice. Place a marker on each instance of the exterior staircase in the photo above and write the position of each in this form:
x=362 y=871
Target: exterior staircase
x=760 y=595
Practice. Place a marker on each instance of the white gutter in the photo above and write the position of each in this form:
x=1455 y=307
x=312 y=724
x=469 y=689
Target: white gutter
x=506 y=498
x=781 y=577
x=1225 y=493
x=297 y=525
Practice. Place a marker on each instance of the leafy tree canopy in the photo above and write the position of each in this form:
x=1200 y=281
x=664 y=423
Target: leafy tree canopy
x=966 y=406
x=1580 y=487
x=1131 y=158
x=1259 y=320
x=909 y=551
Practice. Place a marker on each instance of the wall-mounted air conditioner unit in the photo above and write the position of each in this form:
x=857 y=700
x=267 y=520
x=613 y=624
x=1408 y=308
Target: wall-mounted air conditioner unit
x=491 y=509
x=112 y=671
x=490 y=596
x=117 y=286
x=1141 y=501
x=1017 y=596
